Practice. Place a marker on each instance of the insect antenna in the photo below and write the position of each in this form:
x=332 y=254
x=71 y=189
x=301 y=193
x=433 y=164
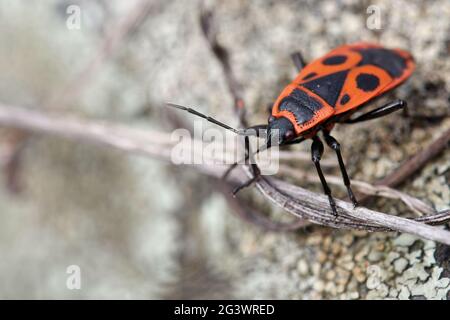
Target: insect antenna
x=201 y=115
x=244 y=132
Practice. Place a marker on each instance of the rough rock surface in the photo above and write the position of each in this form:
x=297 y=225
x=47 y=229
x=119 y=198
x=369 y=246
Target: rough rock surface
x=140 y=228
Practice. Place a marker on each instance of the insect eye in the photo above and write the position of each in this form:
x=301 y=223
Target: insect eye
x=289 y=135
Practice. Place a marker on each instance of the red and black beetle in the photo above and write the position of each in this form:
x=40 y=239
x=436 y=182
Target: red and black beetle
x=328 y=91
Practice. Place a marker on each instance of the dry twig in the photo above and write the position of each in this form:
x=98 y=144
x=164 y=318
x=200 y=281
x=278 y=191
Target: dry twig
x=310 y=206
x=415 y=204
x=416 y=162
x=221 y=53
x=118 y=32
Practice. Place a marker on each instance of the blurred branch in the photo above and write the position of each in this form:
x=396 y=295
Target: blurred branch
x=413 y=164
x=208 y=28
x=417 y=162
x=251 y=215
x=115 y=36
x=12 y=146
x=311 y=206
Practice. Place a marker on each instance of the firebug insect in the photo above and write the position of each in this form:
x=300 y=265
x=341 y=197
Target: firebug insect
x=328 y=91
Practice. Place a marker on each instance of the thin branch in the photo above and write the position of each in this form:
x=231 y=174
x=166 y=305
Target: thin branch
x=247 y=213
x=116 y=35
x=416 y=162
x=413 y=164
x=315 y=208
x=13 y=144
x=415 y=204
x=310 y=206
x=221 y=53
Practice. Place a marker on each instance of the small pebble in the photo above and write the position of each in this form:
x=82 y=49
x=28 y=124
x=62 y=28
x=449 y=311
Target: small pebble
x=330 y=287
x=321 y=257
x=330 y=275
x=404 y=240
x=353 y=295
x=359 y=275
x=404 y=293
x=319 y=286
x=400 y=265
x=316 y=269
x=335 y=248
x=347 y=239
x=302 y=267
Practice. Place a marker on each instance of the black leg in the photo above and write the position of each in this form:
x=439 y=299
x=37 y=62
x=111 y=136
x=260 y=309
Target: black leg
x=247 y=155
x=247 y=132
x=333 y=144
x=316 y=153
x=258 y=131
x=380 y=112
x=234 y=165
x=255 y=169
x=298 y=60
x=248 y=182
x=228 y=171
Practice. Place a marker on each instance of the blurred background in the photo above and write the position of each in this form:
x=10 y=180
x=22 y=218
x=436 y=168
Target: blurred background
x=142 y=228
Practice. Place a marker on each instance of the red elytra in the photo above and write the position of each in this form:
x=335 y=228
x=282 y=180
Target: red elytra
x=345 y=65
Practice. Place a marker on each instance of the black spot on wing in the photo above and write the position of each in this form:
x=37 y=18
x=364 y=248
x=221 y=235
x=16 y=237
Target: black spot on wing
x=301 y=113
x=345 y=98
x=388 y=60
x=309 y=75
x=367 y=82
x=328 y=87
x=334 y=60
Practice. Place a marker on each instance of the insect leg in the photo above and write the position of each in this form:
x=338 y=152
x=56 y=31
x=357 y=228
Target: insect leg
x=255 y=169
x=259 y=130
x=379 y=112
x=333 y=144
x=298 y=60
x=234 y=165
x=248 y=182
x=316 y=153
x=248 y=132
